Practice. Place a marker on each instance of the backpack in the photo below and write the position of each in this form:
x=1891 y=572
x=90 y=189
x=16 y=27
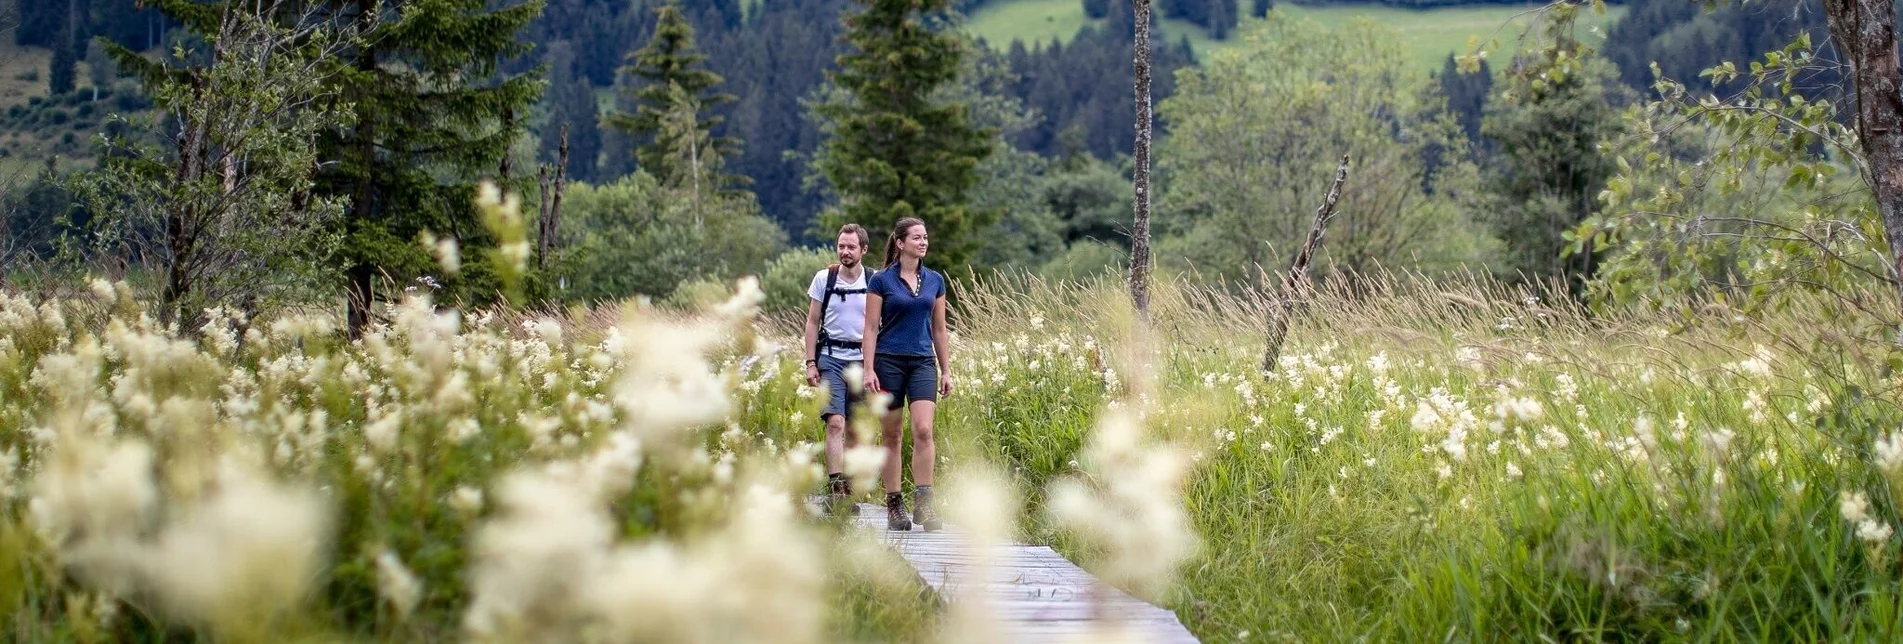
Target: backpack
x=822 y=340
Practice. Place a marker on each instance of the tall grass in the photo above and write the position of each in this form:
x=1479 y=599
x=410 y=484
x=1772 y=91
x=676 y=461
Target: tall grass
x=1446 y=459
x=1456 y=459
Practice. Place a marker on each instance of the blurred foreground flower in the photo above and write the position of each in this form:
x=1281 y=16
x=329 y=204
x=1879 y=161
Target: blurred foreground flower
x=1129 y=505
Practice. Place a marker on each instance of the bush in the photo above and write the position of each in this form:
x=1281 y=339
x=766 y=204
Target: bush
x=635 y=237
x=1084 y=260
x=788 y=277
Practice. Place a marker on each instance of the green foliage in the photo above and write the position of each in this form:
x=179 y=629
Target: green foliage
x=64 y=73
x=1548 y=119
x=433 y=117
x=570 y=104
x=1025 y=232
x=677 y=144
x=786 y=279
x=1742 y=201
x=896 y=148
x=638 y=237
x=1466 y=94
x=1255 y=138
x=1086 y=259
x=224 y=202
x=1682 y=39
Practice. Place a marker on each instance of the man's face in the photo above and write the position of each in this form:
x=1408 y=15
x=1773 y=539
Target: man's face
x=849 y=250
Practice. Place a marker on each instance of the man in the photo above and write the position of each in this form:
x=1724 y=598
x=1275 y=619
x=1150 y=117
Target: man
x=835 y=324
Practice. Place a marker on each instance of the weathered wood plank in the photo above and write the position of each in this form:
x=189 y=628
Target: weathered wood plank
x=1036 y=594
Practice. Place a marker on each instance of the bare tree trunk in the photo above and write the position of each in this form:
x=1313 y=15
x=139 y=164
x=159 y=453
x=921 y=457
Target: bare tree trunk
x=180 y=228
x=1140 y=231
x=1866 y=31
x=1295 y=283
x=552 y=203
x=359 y=298
x=508 y=123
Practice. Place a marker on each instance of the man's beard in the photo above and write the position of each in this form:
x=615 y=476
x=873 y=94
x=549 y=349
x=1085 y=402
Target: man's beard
x=848 y=262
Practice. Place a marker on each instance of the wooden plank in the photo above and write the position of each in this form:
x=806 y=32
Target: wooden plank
x=1035 y=593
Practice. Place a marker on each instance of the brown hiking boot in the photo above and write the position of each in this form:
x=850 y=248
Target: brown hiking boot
x=838 y=498
x=895 y=518
x=926 y=514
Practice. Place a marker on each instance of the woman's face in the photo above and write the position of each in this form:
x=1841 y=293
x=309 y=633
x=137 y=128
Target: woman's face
x=915 y=242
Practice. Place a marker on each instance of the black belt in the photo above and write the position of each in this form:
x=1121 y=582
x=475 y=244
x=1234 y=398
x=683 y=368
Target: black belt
x=843 y=344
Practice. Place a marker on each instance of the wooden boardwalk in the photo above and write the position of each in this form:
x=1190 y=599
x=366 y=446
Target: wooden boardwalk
x=1035 y=594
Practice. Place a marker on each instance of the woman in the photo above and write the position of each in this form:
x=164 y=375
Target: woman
x=905 y=333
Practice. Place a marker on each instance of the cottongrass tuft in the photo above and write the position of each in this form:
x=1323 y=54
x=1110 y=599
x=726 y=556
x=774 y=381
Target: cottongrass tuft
x=1129 y=504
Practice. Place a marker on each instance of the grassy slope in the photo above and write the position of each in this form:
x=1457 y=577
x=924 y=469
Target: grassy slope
x=23 y=75
x=1430 y=34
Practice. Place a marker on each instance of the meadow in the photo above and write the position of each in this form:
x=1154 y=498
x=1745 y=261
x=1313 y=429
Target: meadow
x=1451 y=459
x=1427 y=35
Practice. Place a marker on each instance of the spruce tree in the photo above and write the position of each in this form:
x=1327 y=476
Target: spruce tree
x=432 y=119
x=64 y=75
x=895 y=151
x=667 y=70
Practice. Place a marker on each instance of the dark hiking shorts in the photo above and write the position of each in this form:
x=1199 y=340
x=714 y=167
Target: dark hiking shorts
x=907 y=378
x=839 y=396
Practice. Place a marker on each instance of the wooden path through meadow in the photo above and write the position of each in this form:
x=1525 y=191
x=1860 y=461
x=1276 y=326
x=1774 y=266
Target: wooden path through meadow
x=1037 y=594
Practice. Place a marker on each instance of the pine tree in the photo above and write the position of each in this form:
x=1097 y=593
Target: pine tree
x=895 y=152
x=669 y=61
x=411 y=162
x=64 y=75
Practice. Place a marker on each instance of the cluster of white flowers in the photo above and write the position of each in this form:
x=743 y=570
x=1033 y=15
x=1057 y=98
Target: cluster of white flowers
x=1855 y=508
x=1130 y=504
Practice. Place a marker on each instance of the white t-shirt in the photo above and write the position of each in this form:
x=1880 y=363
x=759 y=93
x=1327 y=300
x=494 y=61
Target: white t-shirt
x=845 y=315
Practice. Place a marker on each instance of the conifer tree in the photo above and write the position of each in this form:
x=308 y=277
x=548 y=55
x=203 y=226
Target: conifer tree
x=64 y=74
x=432 y=118
x=896 y=151
x=668 y=70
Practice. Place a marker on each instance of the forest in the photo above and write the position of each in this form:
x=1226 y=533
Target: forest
x=481 y=320
x=1059 y=115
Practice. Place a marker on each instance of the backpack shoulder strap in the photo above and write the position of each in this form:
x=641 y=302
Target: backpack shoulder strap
x=825 y=299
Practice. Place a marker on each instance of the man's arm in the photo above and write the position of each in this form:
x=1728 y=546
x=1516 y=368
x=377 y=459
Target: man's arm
x=812 y=336
x=812 y=329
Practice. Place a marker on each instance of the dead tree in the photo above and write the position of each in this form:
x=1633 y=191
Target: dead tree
x=1866 y=32
x=1295 y=285
x=552 y=203
x=1140 y=231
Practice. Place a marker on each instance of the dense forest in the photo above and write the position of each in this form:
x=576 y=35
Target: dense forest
x=1054 y=183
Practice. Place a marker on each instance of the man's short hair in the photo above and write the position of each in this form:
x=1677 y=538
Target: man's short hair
x=856 y=230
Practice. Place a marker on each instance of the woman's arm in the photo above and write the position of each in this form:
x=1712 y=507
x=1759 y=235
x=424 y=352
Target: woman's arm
x=870 y=344
x=941 y=345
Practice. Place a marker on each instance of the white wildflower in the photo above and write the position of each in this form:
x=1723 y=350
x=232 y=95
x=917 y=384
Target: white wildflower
x=396 y=584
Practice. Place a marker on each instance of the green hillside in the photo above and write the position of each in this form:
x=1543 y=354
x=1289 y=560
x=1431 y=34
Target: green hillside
x=1429 y=33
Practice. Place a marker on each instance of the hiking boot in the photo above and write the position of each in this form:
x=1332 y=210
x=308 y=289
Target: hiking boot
x=895 y=518
x=839 y=498
x=926 y=514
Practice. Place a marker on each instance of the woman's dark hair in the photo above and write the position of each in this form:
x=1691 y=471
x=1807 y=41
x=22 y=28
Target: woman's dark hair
x=899 y=231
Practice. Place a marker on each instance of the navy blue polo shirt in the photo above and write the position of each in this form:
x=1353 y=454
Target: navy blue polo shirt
x=905 y=320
